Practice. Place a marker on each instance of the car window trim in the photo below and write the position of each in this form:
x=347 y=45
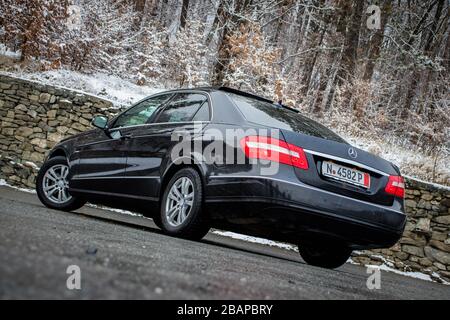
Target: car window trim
x=211 y=110
x=158 y=110
x=158 y=123
x=198 y=110
x=114 y=120
x=184 y=91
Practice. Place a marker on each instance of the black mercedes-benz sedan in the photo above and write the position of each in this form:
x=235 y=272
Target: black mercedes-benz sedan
x=193 y=159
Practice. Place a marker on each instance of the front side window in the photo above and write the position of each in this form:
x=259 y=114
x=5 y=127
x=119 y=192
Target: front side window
x=182 y=107
x=141 y=113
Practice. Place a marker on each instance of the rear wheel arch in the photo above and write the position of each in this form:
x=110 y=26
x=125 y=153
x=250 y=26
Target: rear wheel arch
x=173 y=168
x=194 y=224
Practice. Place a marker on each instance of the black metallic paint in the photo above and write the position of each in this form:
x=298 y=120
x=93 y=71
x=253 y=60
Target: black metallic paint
x=130 y=172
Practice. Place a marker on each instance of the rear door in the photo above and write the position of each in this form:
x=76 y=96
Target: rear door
x=149 y=147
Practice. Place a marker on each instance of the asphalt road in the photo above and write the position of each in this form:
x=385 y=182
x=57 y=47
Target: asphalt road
x=123 y=256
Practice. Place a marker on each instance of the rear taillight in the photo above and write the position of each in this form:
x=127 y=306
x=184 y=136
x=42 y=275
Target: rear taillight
x=268 y=148
x=396 y=186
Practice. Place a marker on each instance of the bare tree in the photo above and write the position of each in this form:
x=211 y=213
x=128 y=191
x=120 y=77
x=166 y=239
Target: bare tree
x=183 y=15
x=375 y=44
x=229 y=16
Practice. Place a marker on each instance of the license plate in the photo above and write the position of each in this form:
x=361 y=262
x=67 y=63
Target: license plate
x=349 y=175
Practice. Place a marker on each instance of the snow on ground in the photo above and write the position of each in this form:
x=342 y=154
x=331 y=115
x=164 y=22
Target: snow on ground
x=411 y=274
x=98 y=84
x=251 y=239
x=121 y=211
x=4 y=183
x=4 y=51
x=386 y=266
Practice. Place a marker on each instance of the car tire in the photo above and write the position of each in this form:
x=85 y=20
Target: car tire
x=157 y=220
x=324 y=255
x=52 y=178
x=181 y=213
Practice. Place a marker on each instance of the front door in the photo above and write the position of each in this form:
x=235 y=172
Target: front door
x=101 y=156
x=99 y=162
x=149 y=147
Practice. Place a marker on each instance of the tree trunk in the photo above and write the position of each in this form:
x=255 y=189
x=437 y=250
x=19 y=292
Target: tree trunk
x=434 y=25
x=153 y=8
x=347 y=64
x=183 y=16
x=139 y=7
x=221 y=18
x=416 y=75
x=283 y=7
x=418 y=27
x=349 y=55
x=310 y=64
x=377 y=41
x=229 y=22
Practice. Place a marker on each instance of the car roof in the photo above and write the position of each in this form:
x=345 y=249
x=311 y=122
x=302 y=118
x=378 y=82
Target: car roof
x=223 y=89
x=231 y=90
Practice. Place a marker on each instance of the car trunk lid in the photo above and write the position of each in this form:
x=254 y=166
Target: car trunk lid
x=319 y=151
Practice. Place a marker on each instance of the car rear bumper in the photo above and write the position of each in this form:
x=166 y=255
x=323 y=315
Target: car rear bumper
x=277 y=208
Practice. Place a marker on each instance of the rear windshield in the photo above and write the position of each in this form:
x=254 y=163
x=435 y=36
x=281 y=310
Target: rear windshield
x=275 y=116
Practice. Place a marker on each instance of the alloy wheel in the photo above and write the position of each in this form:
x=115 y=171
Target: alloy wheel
x=55 y=184
x=179 y=201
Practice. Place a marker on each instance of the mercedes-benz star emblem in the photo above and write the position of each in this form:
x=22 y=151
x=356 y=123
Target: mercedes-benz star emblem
x=352 y=153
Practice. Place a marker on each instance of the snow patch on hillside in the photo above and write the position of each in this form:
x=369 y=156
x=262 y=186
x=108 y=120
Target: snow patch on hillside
x=4 y=51
x=105 y=86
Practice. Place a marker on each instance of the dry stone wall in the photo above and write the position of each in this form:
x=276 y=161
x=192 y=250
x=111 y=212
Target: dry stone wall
x=34 y=117
x=425 y=245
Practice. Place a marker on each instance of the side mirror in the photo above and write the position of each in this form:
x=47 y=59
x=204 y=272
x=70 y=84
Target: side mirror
x=100 y=122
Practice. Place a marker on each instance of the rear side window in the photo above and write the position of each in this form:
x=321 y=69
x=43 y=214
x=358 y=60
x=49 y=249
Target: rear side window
x=272 y=115
x=182 y=107
x=202 y=113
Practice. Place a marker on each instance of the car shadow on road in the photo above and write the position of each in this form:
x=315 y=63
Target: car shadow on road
x=146 y=224
x=259 y=252
x=141 y=223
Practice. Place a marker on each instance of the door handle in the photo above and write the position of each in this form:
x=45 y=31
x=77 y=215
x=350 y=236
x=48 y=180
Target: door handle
x=126 y=137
